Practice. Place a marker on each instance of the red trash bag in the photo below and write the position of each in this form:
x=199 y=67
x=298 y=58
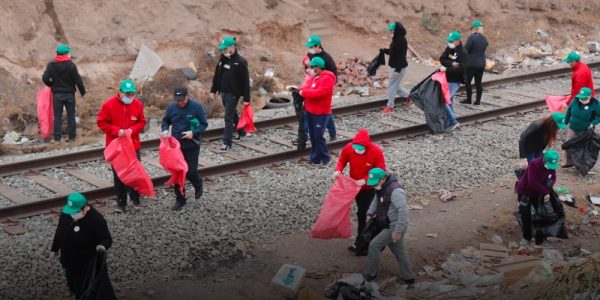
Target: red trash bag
x=171 y=158
x=45 y=111
x=246 y=121
x=334 y=218
x=121 y=155
x=555 y=103
x=441 y=78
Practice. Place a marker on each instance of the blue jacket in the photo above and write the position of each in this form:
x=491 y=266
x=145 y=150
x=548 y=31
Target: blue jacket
x=180 y=118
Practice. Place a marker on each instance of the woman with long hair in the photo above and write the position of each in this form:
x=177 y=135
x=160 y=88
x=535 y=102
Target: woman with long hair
x=540 y=135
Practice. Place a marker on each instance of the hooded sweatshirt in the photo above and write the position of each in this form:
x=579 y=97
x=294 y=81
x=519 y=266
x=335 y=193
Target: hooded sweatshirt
x=459 y=55
x=581 y=77
x=398 y=48
x=115 y=115
x=361 y=164
x=62 y=76
x=318 y=94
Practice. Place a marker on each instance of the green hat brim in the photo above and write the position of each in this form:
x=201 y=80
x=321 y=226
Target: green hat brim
x=373 y=181
x=358 y=147
x=70 y=210
x=551 y=166
x=310 y=44
x=128 y=90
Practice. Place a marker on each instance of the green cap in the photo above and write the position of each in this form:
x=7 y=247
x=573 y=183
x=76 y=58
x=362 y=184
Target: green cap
x=358 y=147
x=63 y=49
x=584 y=93
x=313 y=40
x=375 y=176
x=477 y=23
x=75 y=202
x=392 y=26
x=572 y=56
x=551 y=159
x=559 y=118
x=317 y=62
x=227 y=42
x=454 y=36
x=127 y=86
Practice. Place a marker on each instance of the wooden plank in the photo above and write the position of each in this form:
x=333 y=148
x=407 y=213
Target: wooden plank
x=89 y=178
x=233 y=155
x=390 y=123
x=13 y=194
x=526 y=95
x=50 y=184
x=255 y=147
x=345 y=133
x=407 y=118
x=205 y=162
x=282 y=142
x=153 y=161
x=419 y=57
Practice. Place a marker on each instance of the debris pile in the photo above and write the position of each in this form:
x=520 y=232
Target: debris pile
x=352 y=73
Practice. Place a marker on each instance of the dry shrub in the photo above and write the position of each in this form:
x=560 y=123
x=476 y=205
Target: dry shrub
x=159 y=91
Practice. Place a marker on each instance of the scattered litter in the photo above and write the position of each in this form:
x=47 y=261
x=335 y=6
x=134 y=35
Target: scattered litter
x=11 y=137
x=470 y=252
x=189 y=73
x=561 y=189
x=594 y=200
x=542 y=33
x=445 y=195
x=289 y=278
x=497 y=239
x=432 y=235
x=146 y=64
x=515 y=268
x=492 y=253
x=593 y=47
x=269 y=73
x=415 y=207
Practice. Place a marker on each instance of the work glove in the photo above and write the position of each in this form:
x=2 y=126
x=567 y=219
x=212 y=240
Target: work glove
x=336 y=174
x=165 y=134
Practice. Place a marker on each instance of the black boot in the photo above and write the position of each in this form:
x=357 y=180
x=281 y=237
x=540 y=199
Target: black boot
x=466 y=101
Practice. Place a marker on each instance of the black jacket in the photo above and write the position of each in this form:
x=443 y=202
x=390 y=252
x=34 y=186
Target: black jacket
x=476 y=45
x=62 y=77
x=77 y=240
x=329 y=62
x=398 y=48
x=459 y=55
x=231 y=76
x=532 y=139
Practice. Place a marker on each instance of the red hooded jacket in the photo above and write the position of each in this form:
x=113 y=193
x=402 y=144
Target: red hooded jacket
x=581 y=77
x=115 y=115
x=318 y=94
x=361 y=164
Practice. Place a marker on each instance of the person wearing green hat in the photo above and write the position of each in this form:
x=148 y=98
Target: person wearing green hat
x=81 y=232
x=317 y=104
x=232 y=82
x=188 y=121
x=398 y=66
x=580 y=77
x=540 y=135
x=119 y=115
x=360 y=155
x=454 y=61
x=389 y=209
x=63 y=78
x=476 y=45
x=533 y=188
x=583 y=113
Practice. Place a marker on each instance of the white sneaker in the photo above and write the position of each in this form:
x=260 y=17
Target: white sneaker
x=452 y=127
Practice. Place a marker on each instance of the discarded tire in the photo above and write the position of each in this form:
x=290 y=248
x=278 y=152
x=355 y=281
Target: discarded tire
x=279 y=100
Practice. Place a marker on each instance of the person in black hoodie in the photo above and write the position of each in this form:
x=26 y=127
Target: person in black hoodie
x=454 y=61
x=398 y=65
x=476 y=45
x=62 y=77
x=81 y=232
x=232 y=82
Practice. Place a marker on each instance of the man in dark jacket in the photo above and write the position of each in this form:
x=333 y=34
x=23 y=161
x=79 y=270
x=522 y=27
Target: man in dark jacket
x=62 y=77
x=398 y=65
x=454 y=60
x=232 y=82
x=188 y=121
x=476 y=45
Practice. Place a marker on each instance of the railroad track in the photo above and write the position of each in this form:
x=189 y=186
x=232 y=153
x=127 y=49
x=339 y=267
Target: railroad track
x=271 y=145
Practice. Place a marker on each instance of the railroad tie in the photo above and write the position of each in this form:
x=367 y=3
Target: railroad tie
x=12 y=194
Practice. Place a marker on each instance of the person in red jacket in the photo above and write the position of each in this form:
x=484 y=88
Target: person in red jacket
x=581 y=76
x=120 y=114
x=317 y=103
x=362 y=155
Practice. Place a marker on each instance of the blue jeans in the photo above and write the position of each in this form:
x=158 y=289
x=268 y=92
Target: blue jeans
x=453 y=87
x=532 y=156
x=330 y=126
x=319 y=153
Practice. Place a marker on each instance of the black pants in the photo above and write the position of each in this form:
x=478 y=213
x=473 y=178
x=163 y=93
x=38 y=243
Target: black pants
x=68 y=101
x=525 y=205
x=299 y=109
x=230 y=102
x=478 y=74
x=363 y=201
x=75 y=276
x=190 y=151
x=122 y=190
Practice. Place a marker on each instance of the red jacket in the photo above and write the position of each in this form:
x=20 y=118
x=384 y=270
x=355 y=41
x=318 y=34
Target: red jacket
x=361 y=164
x=581 y=77
x=318 y=94
x=115 y=115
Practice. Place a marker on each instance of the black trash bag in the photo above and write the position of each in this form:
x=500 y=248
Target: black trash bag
x=96 y=284
x=342 y=290
x=379 y=60
x=583 y=150
x=427 y=95
x=549 y=216
x=370 y=231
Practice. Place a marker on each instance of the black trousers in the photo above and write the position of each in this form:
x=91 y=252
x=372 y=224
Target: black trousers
x=68 y=101
x=75 y=276
x=299 y=110
x=363 y=201
x=477 y=73
x=230 y=102
x=122 y=190
x=525 y=205
x=190 y=151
